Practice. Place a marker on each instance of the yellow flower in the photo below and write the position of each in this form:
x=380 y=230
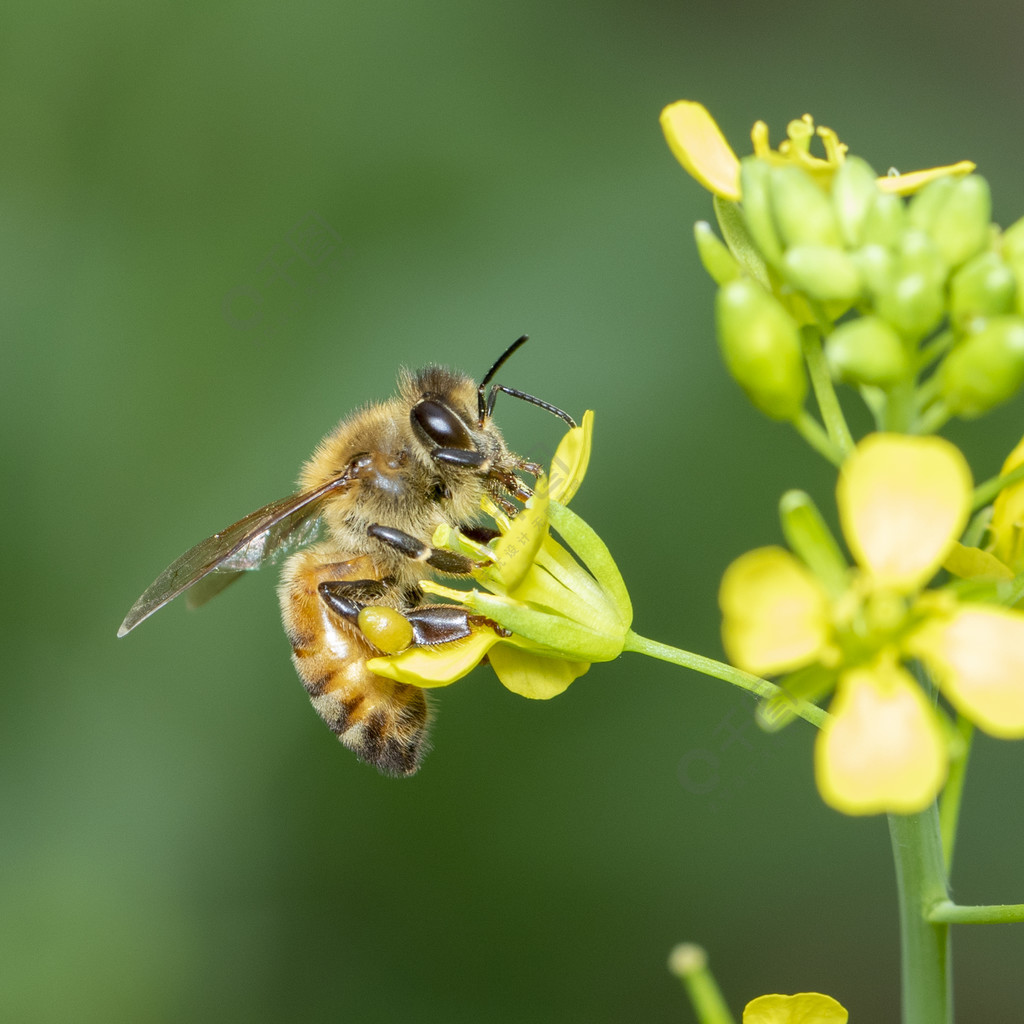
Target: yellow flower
x=802 y=1008
x=902 y=502
x=546 y=617
x=699 y=145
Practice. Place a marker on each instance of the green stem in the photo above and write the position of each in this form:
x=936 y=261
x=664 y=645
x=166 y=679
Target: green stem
x=899 y=409
x=689 y=963
x=934 y=418
x=927 y=354
x=986 y=492
x=952 y=793
x=825 y=393
x=719 y=670
x=814 y=434
x=1000 y=913
x=921 y=884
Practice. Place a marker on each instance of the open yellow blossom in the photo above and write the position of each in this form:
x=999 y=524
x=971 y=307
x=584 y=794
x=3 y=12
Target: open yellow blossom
x=903 y=502
x=539 y=615
x=699 y=145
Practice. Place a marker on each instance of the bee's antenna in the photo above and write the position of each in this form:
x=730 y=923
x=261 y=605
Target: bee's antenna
x=485 y=404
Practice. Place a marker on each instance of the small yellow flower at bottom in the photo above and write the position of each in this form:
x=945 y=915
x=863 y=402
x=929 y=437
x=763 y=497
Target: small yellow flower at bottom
x=802 y=1008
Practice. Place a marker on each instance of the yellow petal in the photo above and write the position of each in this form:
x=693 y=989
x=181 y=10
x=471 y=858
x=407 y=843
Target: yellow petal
x=531 y=675
x=437 y=664
x=975 y=564
x=699 y=145
x=903 y=501
x=803 y=1008
x=977 y=656
x=774 y=612
x=1007 y=525
x=572 y=457
x=883 y=748
x=907 y=184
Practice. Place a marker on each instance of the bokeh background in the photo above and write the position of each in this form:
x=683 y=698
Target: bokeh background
x=227 y=224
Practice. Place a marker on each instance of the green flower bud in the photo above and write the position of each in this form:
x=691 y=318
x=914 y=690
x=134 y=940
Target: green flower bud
x=923 y=208
x=714 y=254
x=803 y=212
x=917 y=253
x=823 y=272
x=876 y=264
x=983 y=286
x=755 y=177
x=984 y=369
x=854 y=191
x=885 y=221
x=962 y=225
x=867 y=351
x=913 y=304
x=1017 y=269
x=1012 y=241
x=760 y=342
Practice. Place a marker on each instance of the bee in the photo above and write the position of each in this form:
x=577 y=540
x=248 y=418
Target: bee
x=379 y=484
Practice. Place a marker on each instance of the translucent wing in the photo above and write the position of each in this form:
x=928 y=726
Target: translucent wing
x=248 y=544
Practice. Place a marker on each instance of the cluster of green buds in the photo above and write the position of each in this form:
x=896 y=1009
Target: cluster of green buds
x=919 y=301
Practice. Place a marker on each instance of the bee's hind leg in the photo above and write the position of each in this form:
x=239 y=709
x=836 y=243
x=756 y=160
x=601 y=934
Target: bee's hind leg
x=430 y=623
x=384 y=722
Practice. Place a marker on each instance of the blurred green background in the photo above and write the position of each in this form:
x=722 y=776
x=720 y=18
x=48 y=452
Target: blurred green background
x=182 y=838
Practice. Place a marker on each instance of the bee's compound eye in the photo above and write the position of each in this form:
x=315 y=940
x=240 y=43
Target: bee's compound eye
x=441 y=425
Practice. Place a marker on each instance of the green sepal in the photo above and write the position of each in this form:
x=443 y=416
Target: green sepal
x=737 y=237
x=565 y=638
x=714 y=254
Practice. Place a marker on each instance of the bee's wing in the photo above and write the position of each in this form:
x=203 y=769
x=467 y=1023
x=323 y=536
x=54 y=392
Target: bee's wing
x=247 y=544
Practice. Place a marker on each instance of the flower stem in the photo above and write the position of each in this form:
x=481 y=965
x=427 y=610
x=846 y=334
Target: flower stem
x=952 y=793
x=814 y=434
x=921 y=883
x=719 y=670
x=999 y=913
x=986 y=492
x=828 y=402
x=689 y=963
